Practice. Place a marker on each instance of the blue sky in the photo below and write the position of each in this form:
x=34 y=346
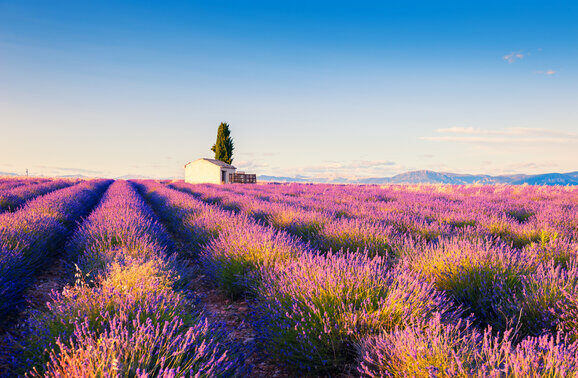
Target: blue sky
x=311 y=88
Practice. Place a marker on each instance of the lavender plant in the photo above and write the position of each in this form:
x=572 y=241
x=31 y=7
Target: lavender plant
x=438 y=349
x=30 y=236
x=131 y=318
x=312 y=310
x=479 y=275
x=13 y=197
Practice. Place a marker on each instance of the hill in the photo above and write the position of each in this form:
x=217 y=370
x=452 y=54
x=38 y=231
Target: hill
x=433 y=177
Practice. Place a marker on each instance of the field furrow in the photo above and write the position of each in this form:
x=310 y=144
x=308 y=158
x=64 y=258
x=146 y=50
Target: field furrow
x=11 y=199
x=31 y=237
x=173 y=279
x=317 y=310
x=178 y=211
x=522 y=223
x=129 y=312
x=14 y=183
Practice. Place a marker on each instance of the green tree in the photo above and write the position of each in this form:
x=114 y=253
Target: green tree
x=223 y=147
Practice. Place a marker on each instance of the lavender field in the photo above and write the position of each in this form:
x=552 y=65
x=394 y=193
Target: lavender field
x=156 y=278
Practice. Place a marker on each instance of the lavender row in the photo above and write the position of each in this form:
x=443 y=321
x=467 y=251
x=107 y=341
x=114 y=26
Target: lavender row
x=10 y=183
x=434 y=348
x=452 y=205
x=199 y=225
x=10 y=199
x=321 y=229
x=7 y=184
x=31 y=236
x=501 y=285
x=126 y=314
x=314 y=309
x=523 y=209
x=402 y=228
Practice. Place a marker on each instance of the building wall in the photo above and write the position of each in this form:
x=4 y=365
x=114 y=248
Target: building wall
x=201 y=172
x=204 y=172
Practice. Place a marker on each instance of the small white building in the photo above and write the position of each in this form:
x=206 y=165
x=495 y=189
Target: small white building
x=208 y=171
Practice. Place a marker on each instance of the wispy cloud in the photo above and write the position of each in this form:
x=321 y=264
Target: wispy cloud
x=62 y=170
x=250 y=165
x=514 y=56
x=520 y=131
x=522 y=167
x=256 y=154
x=509 y=135
x=346 y=169
x=547 y=72
x=519 y=55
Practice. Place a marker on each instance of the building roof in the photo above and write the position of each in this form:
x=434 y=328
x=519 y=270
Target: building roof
x=214 y=161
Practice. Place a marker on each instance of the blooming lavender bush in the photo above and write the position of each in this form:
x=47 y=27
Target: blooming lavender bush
x=130 y=318
x=560 y=251
x=310 y=311
x=543 y=356
x=549 y=300
x=31 y=235
x=12 y=197
x=235 y=258
x=143 y=348
x=434 y=348
x=419 y=280
x=427 y=348
x=479 y=275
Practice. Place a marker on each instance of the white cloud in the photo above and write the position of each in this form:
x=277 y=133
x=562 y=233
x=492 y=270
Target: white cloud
x=510 y=135
x=498 y=140
x=63 y=170
x=250 y=165
x=525 y=167
x=513 y=56
x=514 y=131
x=547 y=72
x=344 y=169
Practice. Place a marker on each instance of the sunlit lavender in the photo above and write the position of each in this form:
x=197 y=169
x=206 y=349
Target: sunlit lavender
x=371 y=281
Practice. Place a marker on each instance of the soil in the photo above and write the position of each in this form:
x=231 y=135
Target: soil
x=234 y=314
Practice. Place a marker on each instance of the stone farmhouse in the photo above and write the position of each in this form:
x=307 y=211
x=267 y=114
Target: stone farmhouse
x=211 y=171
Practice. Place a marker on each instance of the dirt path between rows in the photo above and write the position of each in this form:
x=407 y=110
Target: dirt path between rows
x=234 y=314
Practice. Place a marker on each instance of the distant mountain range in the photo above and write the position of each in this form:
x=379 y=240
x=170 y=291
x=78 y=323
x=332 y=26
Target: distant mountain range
x=413 y=177
x=133 y=177
x=432 y=177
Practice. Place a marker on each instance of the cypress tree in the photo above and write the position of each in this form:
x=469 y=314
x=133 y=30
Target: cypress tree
x=223 y=147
